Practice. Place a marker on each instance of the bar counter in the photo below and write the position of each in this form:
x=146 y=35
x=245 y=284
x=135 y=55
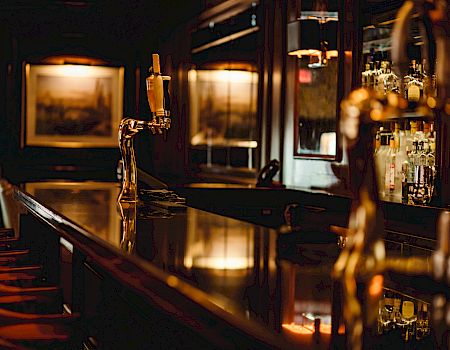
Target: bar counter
x=224 y=283
x=185 y=277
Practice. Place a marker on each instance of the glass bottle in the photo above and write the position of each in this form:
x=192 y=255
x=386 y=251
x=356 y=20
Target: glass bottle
x=380 y=157
x=411 y=178
x=401 y=161
x=391 y=80
x=390 y=168
x=431 y=173
x=419 y=175
x=365 y=83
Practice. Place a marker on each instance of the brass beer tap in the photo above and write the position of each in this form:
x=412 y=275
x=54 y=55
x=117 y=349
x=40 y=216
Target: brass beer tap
x=158 y=97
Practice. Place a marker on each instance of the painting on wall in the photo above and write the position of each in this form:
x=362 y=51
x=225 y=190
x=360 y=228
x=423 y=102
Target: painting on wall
x=72 y=105
x=223 y=106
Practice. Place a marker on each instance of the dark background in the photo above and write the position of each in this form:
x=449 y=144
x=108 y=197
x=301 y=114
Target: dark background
x=116 y=33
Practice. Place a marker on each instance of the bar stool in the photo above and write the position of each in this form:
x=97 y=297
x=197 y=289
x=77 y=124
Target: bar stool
x=31 y=316
x=56 y=331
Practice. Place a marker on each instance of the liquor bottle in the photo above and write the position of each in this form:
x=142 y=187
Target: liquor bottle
x=380 y=78
x=376 y=74
x=419 y=175
x=431 y=172
x=371 y=75
x=390 y=168
x=401 y=163
x=391 y=80
x=404 y=179
x=412 y=134
x=396 y=135
x=366 y=76
x=413 y=85
x=380 y=156
x=411 y=177
x=419 y=134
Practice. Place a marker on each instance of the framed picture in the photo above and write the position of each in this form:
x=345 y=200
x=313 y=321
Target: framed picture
x=72 y=105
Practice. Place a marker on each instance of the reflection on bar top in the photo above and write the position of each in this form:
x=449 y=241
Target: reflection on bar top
x=234 y=262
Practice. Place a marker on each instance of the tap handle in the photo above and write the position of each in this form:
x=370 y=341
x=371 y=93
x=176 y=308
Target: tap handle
x=156 y=65
x=166 y=104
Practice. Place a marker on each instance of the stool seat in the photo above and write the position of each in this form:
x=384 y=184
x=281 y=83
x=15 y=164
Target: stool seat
x=6 y=277
x=17 y=252
x=38 y=304
x=28 y=269
x=35 y=331
x=13 y=317
x=13 y=290
x=6 y=345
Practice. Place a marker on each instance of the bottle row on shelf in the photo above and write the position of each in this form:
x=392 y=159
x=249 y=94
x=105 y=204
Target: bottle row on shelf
x=405 y=317
x=405 y=161
x=416 y=84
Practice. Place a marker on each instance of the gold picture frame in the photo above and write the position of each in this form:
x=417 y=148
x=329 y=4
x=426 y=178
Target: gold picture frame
x=75 y=106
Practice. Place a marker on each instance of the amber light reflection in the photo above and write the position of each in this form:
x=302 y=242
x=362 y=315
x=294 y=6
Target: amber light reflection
x=309 y=328
x=222 y=244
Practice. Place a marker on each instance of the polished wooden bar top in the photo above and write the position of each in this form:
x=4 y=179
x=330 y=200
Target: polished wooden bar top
x=234 y=270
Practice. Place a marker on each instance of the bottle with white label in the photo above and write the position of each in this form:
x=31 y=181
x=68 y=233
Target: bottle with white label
x=413 y=85
x=401 y=160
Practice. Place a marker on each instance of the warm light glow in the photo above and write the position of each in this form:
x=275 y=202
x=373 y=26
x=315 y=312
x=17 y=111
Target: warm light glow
x=231 y=76
x=172 y=281
x=431 y=102
x=332 y=53
x=306 y=328
x=376 y=114
x=224 y=244
x=300 y=53
x=304 y=76
x=220 y=263
x=376 y=285
x=69 y=70
x=315 y=53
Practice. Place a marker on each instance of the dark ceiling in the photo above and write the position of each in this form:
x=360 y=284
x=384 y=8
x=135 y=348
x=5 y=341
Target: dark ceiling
x=95 y=25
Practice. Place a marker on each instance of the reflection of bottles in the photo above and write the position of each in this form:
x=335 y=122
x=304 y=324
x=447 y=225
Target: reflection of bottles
x=407 y=322
x=423 y=323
